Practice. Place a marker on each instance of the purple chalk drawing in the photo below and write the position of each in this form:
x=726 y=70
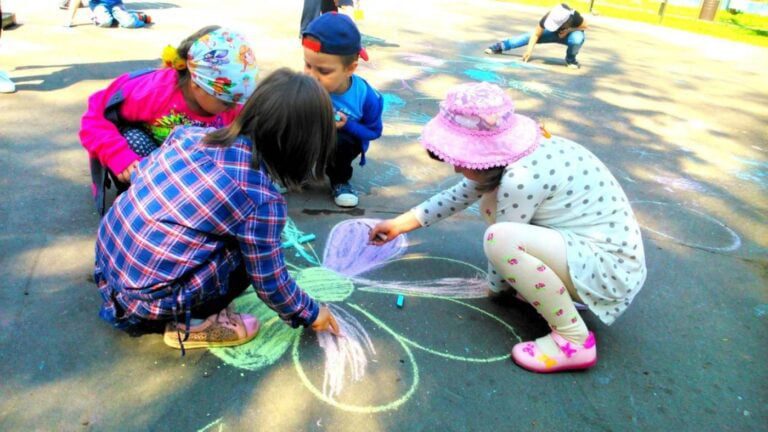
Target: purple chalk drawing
x=351 y=240
x=423 y=59
x=681 y=183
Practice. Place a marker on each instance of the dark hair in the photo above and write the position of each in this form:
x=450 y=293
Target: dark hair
x=575 y=20
x=490 y=178
x=184 y=47
x=348 y=59
x=289 y=120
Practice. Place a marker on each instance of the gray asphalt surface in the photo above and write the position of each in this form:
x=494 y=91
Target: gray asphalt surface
x=680 y=119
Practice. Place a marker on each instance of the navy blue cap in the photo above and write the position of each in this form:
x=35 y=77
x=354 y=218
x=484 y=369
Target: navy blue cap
x=335 y=34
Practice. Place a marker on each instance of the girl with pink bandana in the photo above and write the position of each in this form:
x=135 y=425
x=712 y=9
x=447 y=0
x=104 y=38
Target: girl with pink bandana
x=561 y=227
x=205 y=81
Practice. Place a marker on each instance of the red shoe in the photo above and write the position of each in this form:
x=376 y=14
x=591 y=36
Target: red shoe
x=146 y=19
x=571 y=356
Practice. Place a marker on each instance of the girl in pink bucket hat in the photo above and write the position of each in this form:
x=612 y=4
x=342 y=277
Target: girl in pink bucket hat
x=561 y=227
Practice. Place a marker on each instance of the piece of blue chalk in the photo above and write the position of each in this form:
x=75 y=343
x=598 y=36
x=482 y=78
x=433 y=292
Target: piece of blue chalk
x=298 y=241
x=337 y=117
x=400 y=301
x=306 y=238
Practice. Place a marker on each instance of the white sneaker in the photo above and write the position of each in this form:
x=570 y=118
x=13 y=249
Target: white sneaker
x=6 y=84
x=573 y=65
x=344 y=195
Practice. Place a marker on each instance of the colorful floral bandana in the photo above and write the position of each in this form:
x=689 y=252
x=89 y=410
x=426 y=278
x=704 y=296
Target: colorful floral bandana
x=222 y=63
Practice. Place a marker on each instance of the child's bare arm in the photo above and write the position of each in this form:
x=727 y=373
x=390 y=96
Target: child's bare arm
x=532 y=42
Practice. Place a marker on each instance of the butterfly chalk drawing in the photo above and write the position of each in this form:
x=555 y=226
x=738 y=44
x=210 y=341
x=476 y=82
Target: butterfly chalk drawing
x=334 y=280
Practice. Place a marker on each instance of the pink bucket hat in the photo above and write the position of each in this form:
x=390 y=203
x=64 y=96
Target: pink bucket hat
x=477 y=128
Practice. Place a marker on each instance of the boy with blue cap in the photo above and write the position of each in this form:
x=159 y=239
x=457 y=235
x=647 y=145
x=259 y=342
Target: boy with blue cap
x=332 y=47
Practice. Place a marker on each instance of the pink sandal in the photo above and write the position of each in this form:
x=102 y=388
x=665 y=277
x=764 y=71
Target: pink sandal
x=571 y=357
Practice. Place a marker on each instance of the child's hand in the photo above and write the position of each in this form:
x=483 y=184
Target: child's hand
x=544 y=130
x=342 y=119
x=386 y=231
x=527 y=56
x=326 y=321
x=125 y=176
x=383 y=232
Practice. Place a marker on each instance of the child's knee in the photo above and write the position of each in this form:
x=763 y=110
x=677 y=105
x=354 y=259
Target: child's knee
x=500 y=242
x=495 y=241
x=102 y=17
x=576 y=38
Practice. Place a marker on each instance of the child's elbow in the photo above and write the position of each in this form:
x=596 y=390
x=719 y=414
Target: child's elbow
x=377 y=132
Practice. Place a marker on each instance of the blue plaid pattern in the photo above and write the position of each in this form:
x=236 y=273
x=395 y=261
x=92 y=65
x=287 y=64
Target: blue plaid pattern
x=193 y=214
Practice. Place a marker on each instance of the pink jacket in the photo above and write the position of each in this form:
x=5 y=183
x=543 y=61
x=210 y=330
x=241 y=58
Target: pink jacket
x=152 y=99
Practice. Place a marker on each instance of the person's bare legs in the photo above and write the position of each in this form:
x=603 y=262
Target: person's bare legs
x=73 y=6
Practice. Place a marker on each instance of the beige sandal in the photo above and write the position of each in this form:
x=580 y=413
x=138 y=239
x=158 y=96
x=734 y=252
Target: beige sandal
x=226 y=328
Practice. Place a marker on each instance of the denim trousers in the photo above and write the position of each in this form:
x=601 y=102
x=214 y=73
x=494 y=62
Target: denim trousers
x=574 y=41
x=104 y=17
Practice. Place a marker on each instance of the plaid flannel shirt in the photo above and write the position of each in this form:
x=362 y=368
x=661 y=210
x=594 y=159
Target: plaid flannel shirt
x=192 y=215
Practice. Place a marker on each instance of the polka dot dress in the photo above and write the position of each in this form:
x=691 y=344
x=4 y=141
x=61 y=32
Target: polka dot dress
x=564 y=187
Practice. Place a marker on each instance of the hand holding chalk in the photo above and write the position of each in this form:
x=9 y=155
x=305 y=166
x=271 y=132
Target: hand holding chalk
x=326 y=321
x=377 y=238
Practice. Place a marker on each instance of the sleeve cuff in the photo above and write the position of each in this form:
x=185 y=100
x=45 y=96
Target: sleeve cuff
x=307 y=316
x=120 y=161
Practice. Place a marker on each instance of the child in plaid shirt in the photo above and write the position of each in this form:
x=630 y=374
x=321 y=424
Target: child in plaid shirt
x=202 y=220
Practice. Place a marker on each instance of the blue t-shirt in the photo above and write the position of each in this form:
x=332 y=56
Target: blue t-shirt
x=363 y=106
x=351 y=101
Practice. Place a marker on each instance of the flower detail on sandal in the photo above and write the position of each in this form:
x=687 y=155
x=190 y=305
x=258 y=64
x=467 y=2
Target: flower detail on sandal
x=567 y=350
x=572 y=356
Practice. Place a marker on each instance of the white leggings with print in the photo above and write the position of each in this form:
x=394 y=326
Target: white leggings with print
x=533 y=261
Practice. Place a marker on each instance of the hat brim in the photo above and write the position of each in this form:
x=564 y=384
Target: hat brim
x=475 y=151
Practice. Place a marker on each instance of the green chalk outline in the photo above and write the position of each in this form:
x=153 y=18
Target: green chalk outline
x=368 y=409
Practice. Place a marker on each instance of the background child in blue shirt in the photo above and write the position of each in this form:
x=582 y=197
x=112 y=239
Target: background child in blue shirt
x=332 y=47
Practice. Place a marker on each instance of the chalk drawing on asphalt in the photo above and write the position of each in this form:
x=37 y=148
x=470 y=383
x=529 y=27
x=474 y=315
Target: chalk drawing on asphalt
x=334 y=279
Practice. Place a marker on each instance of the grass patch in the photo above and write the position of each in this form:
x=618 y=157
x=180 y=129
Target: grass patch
x=747 y=28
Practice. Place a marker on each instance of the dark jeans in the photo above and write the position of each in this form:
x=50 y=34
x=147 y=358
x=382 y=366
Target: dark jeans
x=574 y=41
x=339 y=168
x=238 y=282
x=312 y=9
